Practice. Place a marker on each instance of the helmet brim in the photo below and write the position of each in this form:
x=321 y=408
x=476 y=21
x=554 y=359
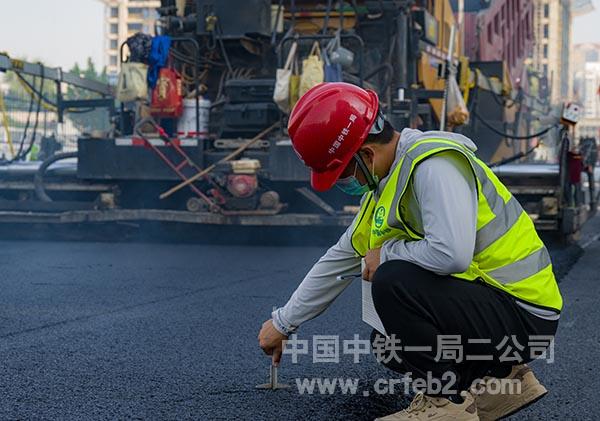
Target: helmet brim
x=323 y=181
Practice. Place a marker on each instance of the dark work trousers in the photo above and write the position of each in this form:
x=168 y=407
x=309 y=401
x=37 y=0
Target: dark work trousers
x=419 y=308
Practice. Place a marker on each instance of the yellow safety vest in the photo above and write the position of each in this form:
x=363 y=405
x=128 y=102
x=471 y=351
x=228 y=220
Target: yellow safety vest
x=508 y=255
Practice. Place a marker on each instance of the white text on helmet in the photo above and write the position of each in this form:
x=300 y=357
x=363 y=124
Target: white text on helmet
x=343 y=133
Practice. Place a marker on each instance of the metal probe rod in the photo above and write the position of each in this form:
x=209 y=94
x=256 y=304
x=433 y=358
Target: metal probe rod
x=273 y=383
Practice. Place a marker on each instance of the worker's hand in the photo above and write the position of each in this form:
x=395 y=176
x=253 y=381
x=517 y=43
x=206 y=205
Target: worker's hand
x=372 y=261
x=271 y=341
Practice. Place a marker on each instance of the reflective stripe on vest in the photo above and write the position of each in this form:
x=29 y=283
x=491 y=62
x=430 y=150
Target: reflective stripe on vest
x=515 y=261
x=506 y=214
x=523 y=268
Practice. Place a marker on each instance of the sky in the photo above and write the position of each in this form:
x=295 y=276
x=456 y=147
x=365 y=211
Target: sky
x=57 y=32
x=62 y=32
x=585 y=28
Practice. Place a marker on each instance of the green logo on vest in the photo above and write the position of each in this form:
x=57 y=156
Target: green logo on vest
x=379 y=215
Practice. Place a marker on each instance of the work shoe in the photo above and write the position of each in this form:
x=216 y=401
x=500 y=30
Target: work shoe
x=429 y=408
x=495 y=401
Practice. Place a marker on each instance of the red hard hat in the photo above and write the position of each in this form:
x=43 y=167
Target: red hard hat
x=328 y=126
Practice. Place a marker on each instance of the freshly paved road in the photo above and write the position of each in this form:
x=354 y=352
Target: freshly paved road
x=573 y=379
x=164 y=331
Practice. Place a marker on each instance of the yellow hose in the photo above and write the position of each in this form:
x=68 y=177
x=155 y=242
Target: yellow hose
x=30 y=91
x=5 y=123
x=46 y=105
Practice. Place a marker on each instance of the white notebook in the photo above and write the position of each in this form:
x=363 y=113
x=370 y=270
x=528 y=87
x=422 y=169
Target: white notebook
x=369 y=314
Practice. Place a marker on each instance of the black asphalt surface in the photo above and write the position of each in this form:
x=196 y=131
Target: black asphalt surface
x=573 y=380
x=167 y=331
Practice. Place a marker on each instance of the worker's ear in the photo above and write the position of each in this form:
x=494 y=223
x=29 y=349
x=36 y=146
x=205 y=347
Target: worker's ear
x=367 y=152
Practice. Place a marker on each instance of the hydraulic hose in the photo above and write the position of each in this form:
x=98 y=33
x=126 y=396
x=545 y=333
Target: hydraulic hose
x=38 y=178
x=514 y=157
x=510 y=136
x=22 y=154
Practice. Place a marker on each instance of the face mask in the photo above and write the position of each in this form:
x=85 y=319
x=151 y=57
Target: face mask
x=351 y=185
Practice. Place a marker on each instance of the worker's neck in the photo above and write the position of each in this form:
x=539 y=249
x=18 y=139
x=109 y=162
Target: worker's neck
x=389 y=153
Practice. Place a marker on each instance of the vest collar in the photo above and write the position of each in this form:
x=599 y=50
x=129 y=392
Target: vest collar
x=409 y=137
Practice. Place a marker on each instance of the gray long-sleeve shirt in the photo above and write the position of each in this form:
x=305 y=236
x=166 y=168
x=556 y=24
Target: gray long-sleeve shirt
x=442 y=198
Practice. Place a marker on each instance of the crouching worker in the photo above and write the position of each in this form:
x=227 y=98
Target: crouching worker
x=449 y=251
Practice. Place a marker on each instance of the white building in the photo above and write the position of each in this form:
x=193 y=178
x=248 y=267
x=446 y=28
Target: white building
x=585 y=59
x=123 y=18
x=590 y=124
x=552 y=30
x=591 y=85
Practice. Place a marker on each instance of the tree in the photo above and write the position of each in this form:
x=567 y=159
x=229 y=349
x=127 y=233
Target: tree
x=94 y=119
x=18 y=96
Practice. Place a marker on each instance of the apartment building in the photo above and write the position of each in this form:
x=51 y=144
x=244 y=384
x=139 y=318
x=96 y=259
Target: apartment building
x=552 y=32
x=501 y=30
x=585 y=59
